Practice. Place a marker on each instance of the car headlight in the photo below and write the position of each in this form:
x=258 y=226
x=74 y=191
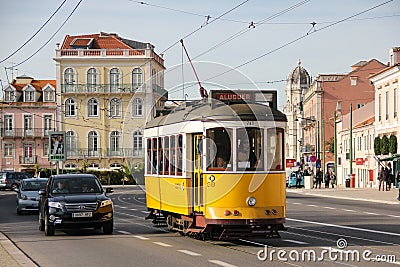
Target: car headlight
x=251 y=201
x=56 y=205
x=105 y=203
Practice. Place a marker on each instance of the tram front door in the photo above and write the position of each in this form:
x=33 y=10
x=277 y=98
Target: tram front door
x=197 y=182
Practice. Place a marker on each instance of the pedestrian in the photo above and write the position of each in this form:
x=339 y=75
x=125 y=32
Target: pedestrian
x=318 y=178
x=382 y=179
x=327 y=178
x=298 y=179
x=332 y=179
x=388 y=176
x=398 y=184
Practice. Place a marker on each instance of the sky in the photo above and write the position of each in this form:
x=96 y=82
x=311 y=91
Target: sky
x=326 y=36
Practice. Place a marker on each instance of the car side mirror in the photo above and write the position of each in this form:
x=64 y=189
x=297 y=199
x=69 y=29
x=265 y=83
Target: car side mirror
x=42 y=192
x=109 y=190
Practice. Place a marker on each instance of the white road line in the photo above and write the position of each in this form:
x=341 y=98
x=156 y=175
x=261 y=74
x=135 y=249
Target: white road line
x=124 y=232
x=123 y=207
x=296 y=203
x=221 y=263
x=295 y=241
x=141 y=237
x=251 y=242
x=162 y=244
x=371 y=213
x=132 y=209
x=395 y=216
x=350 y=210
x=188 y=252
x=312 y=205
x=329 y=208
x=345 y=227
x=144 y=211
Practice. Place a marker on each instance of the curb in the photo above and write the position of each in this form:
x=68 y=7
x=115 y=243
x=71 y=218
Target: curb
x=16 y=256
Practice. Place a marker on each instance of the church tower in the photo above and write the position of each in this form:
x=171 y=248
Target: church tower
x=296 y=84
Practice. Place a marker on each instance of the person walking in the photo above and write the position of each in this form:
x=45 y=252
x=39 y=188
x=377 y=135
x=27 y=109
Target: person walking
x=299 y=177
x=382 y=179
x=327 y=178
x=388 y=176
x=318 y=178
x=332 y=179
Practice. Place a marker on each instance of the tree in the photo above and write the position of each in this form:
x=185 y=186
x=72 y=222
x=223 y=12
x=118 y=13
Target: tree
x=385 y=145
x=392 y=144
x=331 y=145
x=377 y=146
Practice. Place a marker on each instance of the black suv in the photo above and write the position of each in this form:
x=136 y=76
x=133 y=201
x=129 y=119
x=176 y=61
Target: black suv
x=75 y=201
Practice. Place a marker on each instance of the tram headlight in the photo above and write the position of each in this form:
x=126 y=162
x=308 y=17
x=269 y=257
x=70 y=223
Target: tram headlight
x=251 y=201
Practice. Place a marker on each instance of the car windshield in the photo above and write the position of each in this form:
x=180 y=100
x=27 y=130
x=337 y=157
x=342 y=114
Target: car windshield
x=79 y=185
x=33 y=185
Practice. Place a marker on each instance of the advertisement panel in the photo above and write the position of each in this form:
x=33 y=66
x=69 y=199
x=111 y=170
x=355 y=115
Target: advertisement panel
x=57 y=146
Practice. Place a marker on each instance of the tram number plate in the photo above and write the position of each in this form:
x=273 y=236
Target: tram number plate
x=81 y=214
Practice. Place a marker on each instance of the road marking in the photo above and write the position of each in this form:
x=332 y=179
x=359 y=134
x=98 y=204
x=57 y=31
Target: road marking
x=312 y=206
x=350 y=210
x=295 y=241
x=252 y=242
x=370 y=213
x=395 y=216
x=122 y=207
x=221 y=263
x=188 y=252
x=124 y=232
x=345 y=227
x=144 y=211
x=162 y=244
x=132 y=209
x=329 y=208
x=296 y=203
x=141 y=237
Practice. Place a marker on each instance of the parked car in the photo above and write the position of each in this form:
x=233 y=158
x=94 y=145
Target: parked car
x=291 y=180
x=75 y=201
x=28 y=194
x=11 y=180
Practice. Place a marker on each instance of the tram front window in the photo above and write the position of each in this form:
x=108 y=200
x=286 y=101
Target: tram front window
x=219 y=151
x=249 y=147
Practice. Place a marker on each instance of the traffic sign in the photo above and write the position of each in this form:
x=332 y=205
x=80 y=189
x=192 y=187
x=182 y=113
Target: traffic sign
x=313 y=158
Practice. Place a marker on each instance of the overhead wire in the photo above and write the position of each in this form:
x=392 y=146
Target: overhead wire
x=27 y=41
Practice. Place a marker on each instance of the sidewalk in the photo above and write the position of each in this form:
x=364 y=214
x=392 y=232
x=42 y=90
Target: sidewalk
x=361 y=194
x=11 y=256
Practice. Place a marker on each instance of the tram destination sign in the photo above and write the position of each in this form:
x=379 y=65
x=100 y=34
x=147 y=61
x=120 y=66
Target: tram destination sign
x=268 y=97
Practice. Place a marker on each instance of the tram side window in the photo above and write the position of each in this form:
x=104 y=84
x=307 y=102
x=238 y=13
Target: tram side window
x=173 y=156
x=160 y=156
x=149 y=160
x=154 y=157
x=249 y=149
x=275 y=149
x=166 y=156
x=179 y=155
x=219 y=149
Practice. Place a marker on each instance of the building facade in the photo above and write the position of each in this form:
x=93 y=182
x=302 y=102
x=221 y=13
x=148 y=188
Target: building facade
x=28 y=115
x=110 y=86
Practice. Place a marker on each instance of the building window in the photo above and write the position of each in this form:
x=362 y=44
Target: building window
x=137 y=107
x=395 y=102
x=93 y=108
x=115 y=165
x=114 y=79
x=93 y=143
x=94 y=165
x=9 y=95
x=92 y=80
x=70 y=166
x=71 y=143
x=45 y=149
x=8 y=150
x=70 y=108
x=8 y=125
x=69 y=80
x=137 y=78
x=387 y=104
x=28 y=153
x=137 y=143
x=115 y=142
x=47 y=124
x=115 y=108
x=48 y=95
x=360 y=105
x=28 y=125
x=29 y=95
x=353 y=81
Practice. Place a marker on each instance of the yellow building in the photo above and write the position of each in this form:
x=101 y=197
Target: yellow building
x=110 y=86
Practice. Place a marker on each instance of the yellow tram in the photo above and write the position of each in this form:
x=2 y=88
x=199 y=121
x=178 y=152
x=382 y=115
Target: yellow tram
x=215 y=169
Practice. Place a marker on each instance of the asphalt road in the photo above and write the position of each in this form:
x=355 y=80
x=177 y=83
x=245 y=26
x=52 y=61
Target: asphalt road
x=316 y=226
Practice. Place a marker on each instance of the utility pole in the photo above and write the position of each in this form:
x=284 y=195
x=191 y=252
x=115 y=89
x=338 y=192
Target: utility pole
x=351 y=139
x=335 y=145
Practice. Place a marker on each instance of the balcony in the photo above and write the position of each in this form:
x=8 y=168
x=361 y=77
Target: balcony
x=124 y=152
x=27 y=160
x=90 y=153
x=101 y=88
x=26 y=133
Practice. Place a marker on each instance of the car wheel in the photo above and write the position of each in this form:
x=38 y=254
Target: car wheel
x=108 y=227
x=41 y=222
x=19 y=212
x=14 y=186
x=48 y=228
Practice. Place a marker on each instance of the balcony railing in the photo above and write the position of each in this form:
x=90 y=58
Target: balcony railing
x=120 y=152
x=21 y=132
x=28 y=160
x=101 y=88
x=124 y=152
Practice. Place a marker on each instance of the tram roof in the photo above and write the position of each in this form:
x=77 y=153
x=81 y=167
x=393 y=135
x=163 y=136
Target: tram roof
x=233 y=112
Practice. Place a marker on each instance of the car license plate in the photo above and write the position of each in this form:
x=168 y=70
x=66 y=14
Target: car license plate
x=81 y=214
